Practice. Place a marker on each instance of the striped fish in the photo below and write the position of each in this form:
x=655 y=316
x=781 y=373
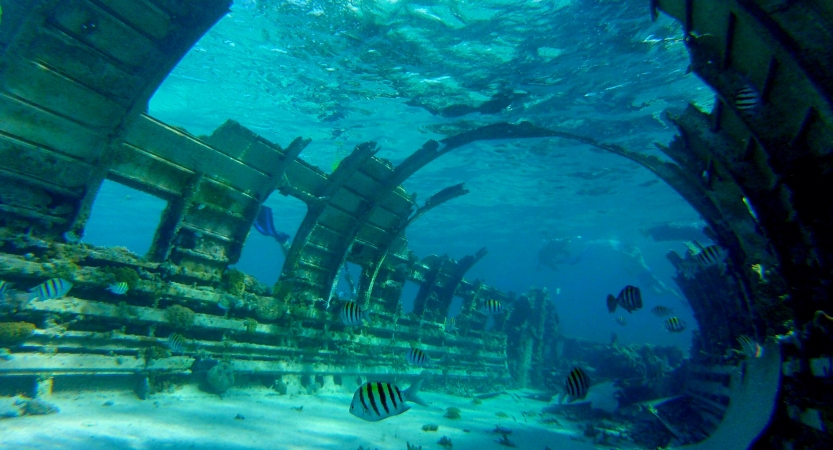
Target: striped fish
x=491 y=307
x=630 y=299
x=674 y=325
x=711 y=256
x=119 y=288
x=352 y=314
x=621 y=321
x=747 y=99
x=661 y=311
x=51 y=288
x=175 y=342
x=576 y=385
x=749 y=347
x=378 y=401
x=417 y=357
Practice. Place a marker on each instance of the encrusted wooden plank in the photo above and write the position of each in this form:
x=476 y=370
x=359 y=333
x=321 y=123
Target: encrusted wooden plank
x=82 y=63
x=27 y=363
x=42 y=86
x=109 y=35
x=184 y=150
x=35 y=125
x=244 y=145
x=143 y=16
x=53 y=169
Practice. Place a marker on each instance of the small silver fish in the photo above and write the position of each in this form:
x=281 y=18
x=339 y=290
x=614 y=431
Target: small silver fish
x=49 y=289
x=119 y=288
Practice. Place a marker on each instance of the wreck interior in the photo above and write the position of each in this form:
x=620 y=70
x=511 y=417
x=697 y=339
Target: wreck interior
x=76 y=80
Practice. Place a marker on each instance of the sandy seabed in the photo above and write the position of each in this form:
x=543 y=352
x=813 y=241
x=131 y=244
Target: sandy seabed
x=192 y=419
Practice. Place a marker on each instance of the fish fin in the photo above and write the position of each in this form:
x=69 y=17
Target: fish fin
x=410 y=394
x=611 y=303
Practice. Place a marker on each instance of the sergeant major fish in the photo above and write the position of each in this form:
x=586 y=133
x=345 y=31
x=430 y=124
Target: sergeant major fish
x=417 y=357
x=576 y=385
x=674 y=325
x=352 y=314
x=378 y=401
x=749 y=347
x=119 y=288
x=491 y=307
x=630 y=299
x=49 y=289
x=661 y=311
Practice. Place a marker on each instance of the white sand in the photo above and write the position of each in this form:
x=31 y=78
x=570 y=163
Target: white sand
x=192 y=419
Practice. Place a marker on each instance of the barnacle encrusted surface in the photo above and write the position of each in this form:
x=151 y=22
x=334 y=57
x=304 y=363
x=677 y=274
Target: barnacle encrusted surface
x=179 y=316
x=12 y=332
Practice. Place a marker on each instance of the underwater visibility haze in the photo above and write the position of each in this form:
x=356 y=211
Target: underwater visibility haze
x=403 y=224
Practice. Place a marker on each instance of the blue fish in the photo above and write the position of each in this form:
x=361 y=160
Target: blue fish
x=265 y=225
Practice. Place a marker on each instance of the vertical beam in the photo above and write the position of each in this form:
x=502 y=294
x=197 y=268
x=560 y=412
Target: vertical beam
x=166 y=233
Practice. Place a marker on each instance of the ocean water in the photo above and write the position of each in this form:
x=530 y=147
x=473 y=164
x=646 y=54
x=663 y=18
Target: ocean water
x=400 y=73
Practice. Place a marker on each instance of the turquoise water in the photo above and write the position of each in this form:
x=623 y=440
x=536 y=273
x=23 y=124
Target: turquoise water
x=343 y=74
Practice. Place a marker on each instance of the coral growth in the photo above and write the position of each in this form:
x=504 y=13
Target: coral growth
x=445 y=442
x=250 y=324
x=12 y=332
x=125 y=274
x=430 y=427
x=235 y=282
x=452 y=413
x=221 y=377
x=281 y=290
x=268 y=308
x=179 y=316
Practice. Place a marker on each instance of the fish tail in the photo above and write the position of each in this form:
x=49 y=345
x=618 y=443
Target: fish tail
x=611 y=303
x=410 y=394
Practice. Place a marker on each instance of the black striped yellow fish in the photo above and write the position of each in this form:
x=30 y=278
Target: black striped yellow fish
x=491 y=307
x=377 y=400
x=119 y=288
x=661 y=311
x=630 y=299
x=51 y=288
x=747 y=100
x=576 y=385
x=674 y=325
x=417 y=357
x=175 y=342
x=352 y=314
